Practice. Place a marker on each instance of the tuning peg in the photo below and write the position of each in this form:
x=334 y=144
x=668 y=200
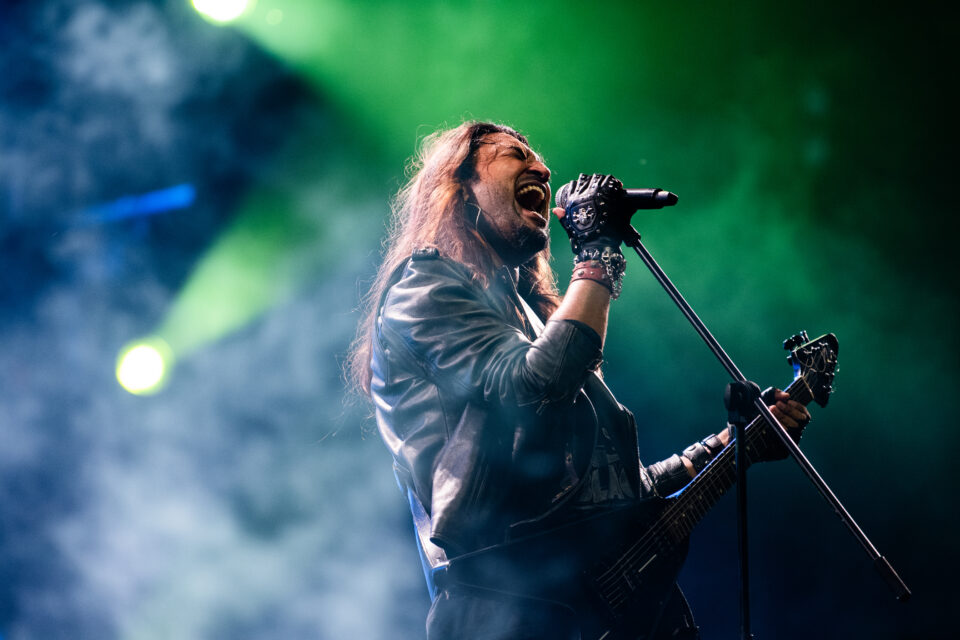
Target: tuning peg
x=795 y=341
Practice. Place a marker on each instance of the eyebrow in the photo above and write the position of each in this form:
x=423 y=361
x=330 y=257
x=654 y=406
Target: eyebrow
x=526 y=152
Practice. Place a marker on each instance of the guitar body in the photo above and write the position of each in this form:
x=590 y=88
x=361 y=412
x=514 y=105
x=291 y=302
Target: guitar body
x=614 y=570
x=615 y=589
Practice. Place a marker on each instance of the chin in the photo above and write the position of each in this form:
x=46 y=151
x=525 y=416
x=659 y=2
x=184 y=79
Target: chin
x=528 y=243
x=519 y=244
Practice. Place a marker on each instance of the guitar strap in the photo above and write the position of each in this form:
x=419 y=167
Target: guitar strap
x=532 y=318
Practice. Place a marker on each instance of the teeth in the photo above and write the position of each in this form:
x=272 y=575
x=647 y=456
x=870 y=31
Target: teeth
x=532 y=187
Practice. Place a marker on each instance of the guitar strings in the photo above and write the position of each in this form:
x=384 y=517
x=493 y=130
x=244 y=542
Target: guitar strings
x=612 y=585
x=613 y=589
x=704 y=483
x=706 y=480
x=610 y=582
x=697 y=487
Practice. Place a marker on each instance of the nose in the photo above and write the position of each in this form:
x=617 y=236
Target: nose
x=540 y=170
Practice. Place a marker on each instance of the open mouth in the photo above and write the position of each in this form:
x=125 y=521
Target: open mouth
x=533 y=197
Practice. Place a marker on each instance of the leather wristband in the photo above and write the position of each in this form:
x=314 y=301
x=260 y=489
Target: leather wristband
x=610 y=258
x=713 y=443
x=668 y=475
x=698 y=455
x=701 y=453
x=592 y=270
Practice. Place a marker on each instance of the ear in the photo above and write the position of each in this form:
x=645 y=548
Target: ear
x=469 y=198
x=472 y=212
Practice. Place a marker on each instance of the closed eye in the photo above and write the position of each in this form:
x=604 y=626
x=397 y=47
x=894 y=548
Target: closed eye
x=515 y=150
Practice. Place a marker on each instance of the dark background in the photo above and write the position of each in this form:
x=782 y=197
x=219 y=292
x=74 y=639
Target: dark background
x=812 y=149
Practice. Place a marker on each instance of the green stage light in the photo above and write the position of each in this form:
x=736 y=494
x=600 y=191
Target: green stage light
x=221 y=10
x=143 y=366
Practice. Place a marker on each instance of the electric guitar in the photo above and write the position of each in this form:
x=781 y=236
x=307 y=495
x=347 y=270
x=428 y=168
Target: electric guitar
x=614 y=570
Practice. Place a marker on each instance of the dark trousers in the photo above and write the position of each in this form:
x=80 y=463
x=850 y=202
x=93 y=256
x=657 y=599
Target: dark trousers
x=461 y=613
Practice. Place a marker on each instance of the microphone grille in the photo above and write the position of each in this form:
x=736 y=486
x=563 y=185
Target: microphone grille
x=563 y=193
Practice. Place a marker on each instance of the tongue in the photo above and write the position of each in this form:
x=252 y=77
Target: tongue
x=530 y=200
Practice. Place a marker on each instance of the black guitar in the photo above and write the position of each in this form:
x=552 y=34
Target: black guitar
x=613 y=571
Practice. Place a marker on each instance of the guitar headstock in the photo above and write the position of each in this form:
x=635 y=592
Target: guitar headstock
x=815 y=361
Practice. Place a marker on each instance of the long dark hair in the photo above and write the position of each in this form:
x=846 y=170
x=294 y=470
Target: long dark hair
x=429 y=211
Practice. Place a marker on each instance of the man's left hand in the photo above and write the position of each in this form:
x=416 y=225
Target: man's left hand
x=790 y=413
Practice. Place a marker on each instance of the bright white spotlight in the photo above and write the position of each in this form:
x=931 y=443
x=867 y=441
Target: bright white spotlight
x=221 y=10
x=143 y=366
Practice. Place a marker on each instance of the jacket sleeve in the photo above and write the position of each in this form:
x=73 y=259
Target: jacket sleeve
x=670 y=475
x=447 y=326
x=664 y=477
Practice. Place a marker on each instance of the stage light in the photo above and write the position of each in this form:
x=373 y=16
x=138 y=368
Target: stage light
x=221 y=10
x=178 y=196
x=143 y=366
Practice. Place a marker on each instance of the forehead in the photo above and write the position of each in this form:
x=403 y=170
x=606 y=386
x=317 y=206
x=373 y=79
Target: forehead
x=500 y=143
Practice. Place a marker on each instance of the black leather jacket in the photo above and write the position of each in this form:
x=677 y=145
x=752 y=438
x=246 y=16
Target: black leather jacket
x=486 y=411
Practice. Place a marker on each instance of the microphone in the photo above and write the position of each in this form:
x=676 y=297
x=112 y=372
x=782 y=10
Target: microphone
x=597 y=203
x=562 y=194
x=637 y=199
x=628 y=200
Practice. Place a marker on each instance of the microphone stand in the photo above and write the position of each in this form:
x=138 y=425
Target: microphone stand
x=738 y=398
x=900 y=589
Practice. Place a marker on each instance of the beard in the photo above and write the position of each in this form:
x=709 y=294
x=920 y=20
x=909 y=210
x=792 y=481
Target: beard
x=516 y=244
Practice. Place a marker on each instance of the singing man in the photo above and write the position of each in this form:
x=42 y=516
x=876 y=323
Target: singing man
x=486 y=390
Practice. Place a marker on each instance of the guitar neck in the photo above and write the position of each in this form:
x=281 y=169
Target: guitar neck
x=693 y=502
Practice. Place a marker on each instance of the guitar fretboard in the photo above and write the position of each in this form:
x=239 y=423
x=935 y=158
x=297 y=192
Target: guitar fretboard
x=687 y=507
x=702 y=493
